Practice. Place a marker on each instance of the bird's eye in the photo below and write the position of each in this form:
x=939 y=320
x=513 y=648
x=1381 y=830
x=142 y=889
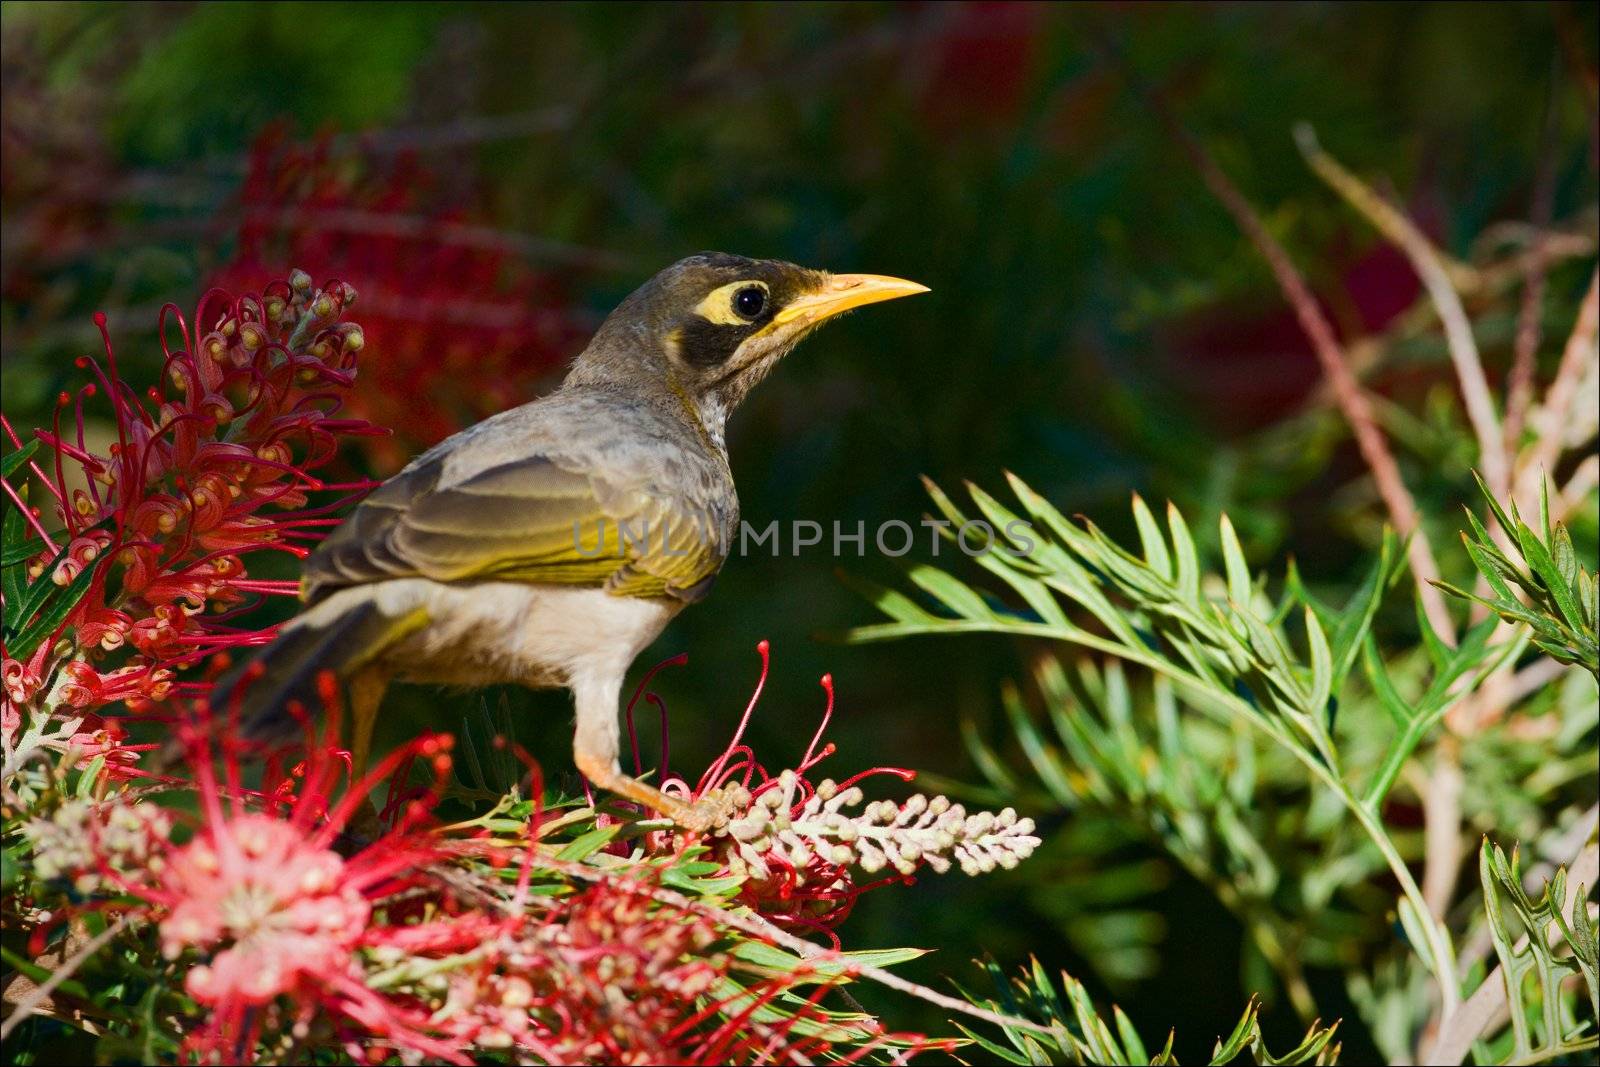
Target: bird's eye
x=750 y=301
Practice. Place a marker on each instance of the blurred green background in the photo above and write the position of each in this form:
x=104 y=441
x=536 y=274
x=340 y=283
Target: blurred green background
x=493 y=178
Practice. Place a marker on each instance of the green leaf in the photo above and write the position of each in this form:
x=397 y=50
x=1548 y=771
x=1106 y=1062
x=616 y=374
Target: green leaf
x=894 y=604
x=18 y=549
x=1355 y=620
x=1238 y=574
x=52 y=612
x=12 y=461
x=1154 y=545
x=587 y=844
x=1321 y=662
x=951 y=592
x=1188 y=562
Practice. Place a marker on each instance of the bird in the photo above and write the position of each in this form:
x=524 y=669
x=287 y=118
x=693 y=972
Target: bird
x=549 y=544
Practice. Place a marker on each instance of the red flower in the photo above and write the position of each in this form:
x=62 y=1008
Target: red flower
x=797 y=845
x=215 y=465
x=274 y=918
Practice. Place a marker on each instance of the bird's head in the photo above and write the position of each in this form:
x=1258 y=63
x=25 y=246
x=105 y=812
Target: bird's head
x=711 y=326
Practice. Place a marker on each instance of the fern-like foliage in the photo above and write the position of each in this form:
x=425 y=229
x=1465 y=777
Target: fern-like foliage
x=1201 y=791
x=1227 y=650
x=1541 y=949
x=1537 y=582
x=1080 y=1035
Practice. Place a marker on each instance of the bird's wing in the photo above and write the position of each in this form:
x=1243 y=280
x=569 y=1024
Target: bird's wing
x=530 y=520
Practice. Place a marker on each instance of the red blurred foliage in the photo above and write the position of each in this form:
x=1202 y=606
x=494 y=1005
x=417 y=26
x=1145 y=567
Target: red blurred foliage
x=980 y=61
x=1253 y=371
x=464 y=326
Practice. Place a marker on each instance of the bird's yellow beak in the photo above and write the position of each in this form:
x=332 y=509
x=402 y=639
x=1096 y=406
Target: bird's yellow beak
x=842 y=293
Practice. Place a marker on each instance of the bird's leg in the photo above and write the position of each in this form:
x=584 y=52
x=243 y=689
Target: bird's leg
x=597 y=743
x=367 y=687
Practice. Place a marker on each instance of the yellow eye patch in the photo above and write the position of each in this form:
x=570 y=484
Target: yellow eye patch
x=718 y=305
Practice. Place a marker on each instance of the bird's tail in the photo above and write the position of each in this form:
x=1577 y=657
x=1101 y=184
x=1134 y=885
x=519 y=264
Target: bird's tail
x=341 y=635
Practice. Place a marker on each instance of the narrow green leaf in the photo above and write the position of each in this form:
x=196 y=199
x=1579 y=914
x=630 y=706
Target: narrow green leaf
x=1045 y=764
x=951 y=592
x=18 y=549
x=891 y=602
x=1130 y=1037
x=1355 y=620
x=12 y=461
x=1154 y=545
x=1378 y=677
x=1187 y=560
x=942 y=501
x=1321 y=663
x=586 y=845
x=1238 y=574
x=52 y=614
x=1544 y=565
x=1438 y=651
x=1499 y=513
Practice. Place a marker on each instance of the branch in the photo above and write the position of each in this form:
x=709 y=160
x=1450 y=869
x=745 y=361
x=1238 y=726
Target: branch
x=1441 y=811
x=1347 y=391
x=30 y=1004
x=1550 y=418
x=1519 y=382
x=1437 y=278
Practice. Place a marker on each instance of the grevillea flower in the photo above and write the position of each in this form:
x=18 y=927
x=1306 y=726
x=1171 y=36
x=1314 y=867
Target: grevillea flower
x=213 y=466
x=268 y=917
x=797 y=844
x=81 y=838
x=465 y=326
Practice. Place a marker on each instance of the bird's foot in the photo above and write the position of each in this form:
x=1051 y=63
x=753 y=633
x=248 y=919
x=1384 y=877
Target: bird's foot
x=713 y=811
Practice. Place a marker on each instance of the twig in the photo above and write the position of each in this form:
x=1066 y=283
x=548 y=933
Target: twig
x=1532 y=678
x=1441 y=812
x=30 y=1004
x=1584 y=478
x=1355 y=405
x=1487 y=1005
x=1549 y=419
x=1437 y=278
x=1519 y=381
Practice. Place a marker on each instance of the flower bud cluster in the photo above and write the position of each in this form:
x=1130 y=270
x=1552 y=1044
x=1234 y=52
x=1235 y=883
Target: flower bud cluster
x=82 y=840
x=882 y=835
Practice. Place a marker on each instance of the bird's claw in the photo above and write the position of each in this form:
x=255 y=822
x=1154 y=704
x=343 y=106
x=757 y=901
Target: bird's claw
x=710 y=813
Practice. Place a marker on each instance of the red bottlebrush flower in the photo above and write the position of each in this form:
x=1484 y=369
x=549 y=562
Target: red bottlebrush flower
x=216 y=464
x=465 y=326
